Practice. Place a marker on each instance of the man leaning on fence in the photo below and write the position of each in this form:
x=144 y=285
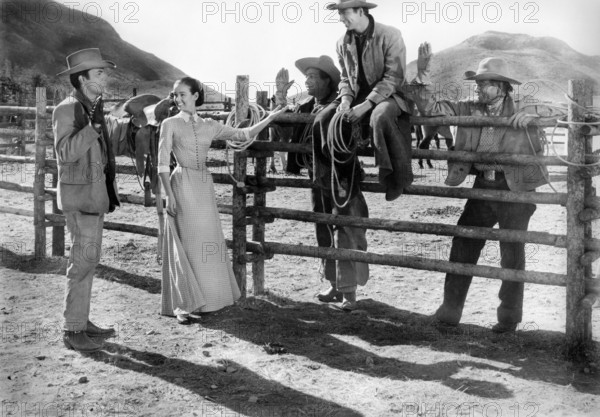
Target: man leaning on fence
x=86 y=188
x=322 y=79
x=493 y=88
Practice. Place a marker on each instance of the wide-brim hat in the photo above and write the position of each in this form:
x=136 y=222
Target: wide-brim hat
x=141 y=108
x=324 y=63
x=492 y=69
x=86 y=59
x=347 y=4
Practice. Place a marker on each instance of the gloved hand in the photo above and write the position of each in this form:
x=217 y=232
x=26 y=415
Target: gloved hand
x=97 y=112
x=283 y=84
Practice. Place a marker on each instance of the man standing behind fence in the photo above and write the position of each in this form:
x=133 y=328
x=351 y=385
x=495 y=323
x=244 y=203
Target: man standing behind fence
x=493 y=99
x=322 y=79
x=86 y=188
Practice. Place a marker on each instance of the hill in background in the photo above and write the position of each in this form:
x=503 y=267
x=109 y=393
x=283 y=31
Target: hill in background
x=33 y=48
x=543 y=65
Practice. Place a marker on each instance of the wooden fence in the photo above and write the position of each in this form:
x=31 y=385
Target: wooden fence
x=580 y=200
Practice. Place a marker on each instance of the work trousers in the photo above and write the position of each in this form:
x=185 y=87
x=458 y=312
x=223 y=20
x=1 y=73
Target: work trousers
x=343 y=275
x=480 y=213
x=85 y=231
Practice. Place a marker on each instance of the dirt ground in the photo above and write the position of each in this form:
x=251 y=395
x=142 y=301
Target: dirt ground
x=386 y=359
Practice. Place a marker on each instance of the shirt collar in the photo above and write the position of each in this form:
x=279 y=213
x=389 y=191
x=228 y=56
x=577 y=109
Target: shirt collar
x=186 y=116
x=83 y=99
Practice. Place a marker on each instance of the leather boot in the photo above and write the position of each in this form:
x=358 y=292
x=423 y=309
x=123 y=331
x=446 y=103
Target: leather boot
x=94 y=331
x=330 y=296
x=447 y=315
x=80 y=341
x=349 y=303
x=502 y=327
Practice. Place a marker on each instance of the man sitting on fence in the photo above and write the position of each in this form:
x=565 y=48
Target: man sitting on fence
x=86 y=188
x=493 y=99
x=373 y=61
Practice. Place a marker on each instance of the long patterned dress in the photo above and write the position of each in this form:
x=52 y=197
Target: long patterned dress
x=197 y=275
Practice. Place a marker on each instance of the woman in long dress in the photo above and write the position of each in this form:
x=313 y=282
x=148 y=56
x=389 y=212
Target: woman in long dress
x=197 y=275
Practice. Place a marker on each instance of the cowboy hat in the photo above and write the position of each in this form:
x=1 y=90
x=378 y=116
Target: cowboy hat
x=347 y=4
x=491 y=69
x=323 y=63
x=84 y=60
x=141 y=108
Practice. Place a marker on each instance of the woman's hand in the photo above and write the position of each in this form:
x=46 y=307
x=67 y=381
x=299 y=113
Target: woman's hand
x=171 y=206
x=276 y=112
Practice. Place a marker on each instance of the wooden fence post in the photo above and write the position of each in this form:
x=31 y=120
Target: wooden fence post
x=578 y=330
x=39 y=197
x=260 y=200
x=239 y=197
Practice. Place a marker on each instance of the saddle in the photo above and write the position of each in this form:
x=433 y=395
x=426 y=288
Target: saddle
x=147 y=112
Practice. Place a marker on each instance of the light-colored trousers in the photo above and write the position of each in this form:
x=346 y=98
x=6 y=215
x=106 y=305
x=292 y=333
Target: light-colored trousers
x=86 y=249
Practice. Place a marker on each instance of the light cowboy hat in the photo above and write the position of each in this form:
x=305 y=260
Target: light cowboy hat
x=495 y=69
x=86 y=59
x=347 y=4
x=324 y=63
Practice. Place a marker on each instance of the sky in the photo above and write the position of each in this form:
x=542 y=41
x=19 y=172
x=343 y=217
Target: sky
x=216 y=40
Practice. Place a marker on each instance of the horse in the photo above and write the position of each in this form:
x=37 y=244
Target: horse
x=139 y=140
x=429 y=133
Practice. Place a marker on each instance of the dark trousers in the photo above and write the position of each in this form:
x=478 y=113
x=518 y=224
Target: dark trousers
x=481 y=213
x=343 y=275
x=389 y=129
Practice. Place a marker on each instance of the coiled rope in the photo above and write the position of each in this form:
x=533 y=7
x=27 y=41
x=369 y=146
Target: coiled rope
x=336 y=144
x=257 y=113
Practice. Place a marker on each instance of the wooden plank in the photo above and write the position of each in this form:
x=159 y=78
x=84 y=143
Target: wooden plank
x=578 y=331
x=471 y=232
x=260 y=200
x=39 y=204
x=239 y=198
x=414 y=262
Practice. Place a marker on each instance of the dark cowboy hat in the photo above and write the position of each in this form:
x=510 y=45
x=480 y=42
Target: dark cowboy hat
x=141 y=108
x=85 y=59
x=347 y=4
x=493 y=69
x=324 y=63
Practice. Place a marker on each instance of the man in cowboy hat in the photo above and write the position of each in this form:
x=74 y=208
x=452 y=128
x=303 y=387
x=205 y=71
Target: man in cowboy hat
x=373 y=61
x=493 y=87
x=322 y=80
x=86 y=188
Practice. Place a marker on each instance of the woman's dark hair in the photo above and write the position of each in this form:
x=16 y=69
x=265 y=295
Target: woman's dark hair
x=74 y=78
x=195 y=87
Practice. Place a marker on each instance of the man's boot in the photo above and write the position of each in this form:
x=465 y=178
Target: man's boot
x=80 y=341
